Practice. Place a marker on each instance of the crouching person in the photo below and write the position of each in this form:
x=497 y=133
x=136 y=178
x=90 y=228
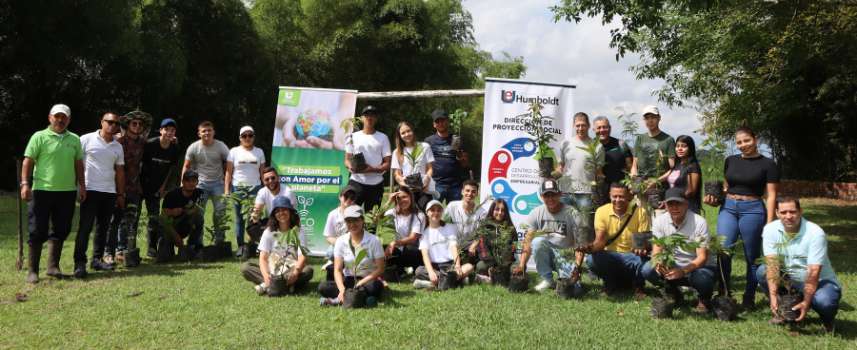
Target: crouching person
x=181 y=218
x=403 y=251
x=613 y=256
x=496 y=243
x=439 y=249
x=694 y=268
x=358 y=261
x=282 y=267
x=802 y=246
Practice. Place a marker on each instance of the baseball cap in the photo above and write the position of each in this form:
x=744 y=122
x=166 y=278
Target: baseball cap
x=246 y=128
x=61 y=108
x=675 y=194
x=168 y=122
x=433 y=203
x=370 y=110
x=438 y=114
x=353 y=212
x=281 y=202
x=549 y=186
x=651 y=110
x=190 y=174
x=348 y=188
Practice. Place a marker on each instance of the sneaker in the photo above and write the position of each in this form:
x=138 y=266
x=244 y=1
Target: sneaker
x=544 y=285
x=328 y=263
x=80 y=270
x=328 y=301
x=261 y=289
x=240 y=251
x=422 y=284
x=483 y=279
x=409 y=270
x=119 y=258
x=100 y=265
x=107 y=259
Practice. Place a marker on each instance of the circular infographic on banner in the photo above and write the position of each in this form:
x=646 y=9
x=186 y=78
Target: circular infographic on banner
x=512 y=167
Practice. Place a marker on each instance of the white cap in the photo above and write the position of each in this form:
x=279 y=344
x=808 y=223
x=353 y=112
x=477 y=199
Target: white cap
x=61 y=108
x=651 y=110
x=353 y=211
x=432 y=203
x=246 y=128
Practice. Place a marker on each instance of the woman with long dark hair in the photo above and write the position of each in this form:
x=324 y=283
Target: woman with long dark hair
x=499 y=222
x=686 y=172
x=403 y=250
x=743 y=214
x=412 y=164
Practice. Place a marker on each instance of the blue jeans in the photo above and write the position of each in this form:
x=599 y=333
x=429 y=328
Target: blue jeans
x=825 y=301
x=744 y=218
x=448 y=191
x=212 y=191
x=239 y=215
x=616 y=269
x=549 y=258
x=701 y=279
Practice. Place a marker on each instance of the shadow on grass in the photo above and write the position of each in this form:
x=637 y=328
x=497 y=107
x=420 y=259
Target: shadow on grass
x=167 y=269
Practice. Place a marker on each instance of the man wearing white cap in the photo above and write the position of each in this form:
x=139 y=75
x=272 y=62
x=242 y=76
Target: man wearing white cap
x=208 y=157
x=654 y=151
x=244 y=176
x=51 y=175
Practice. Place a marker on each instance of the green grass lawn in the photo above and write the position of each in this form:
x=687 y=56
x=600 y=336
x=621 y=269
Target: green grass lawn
x=209 y=305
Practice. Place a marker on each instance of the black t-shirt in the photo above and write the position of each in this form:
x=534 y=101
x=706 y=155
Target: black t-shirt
x=749 y=176
x=681 y=181
x=615 y=153
x=156 y=164
x=445 y=168
x=176 y=199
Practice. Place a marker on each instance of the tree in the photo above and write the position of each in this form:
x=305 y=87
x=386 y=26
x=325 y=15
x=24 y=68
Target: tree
x=787 y=69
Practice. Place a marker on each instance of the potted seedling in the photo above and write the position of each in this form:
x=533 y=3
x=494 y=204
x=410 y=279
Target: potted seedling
x=716 y=153
x=787 y=295
x=500 y=253
x=281 y=266
x=725 y=307
x=641 y=240
x=456 y=120
x=358 y=160
x=594 y=163
x=447 y=279
x=535 y=126
x=218 y=249
x=355 y=297
x=662 y=306
x=415 y=181
x=566 y=288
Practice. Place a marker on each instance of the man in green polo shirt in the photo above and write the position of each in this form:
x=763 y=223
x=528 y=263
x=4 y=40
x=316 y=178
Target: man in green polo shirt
x=52 y=173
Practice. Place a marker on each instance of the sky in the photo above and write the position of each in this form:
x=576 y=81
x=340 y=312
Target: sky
x=573 y=53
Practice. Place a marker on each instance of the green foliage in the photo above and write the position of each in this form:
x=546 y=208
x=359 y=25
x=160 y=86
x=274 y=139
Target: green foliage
x=244 y=197
x=414 y=154
x=785 y=271
x=290 y=239
x=496 y=236
x=219 y=223
x=669 y=244
x=381 y=225
x=784 y=68
x=535 y=126
x=456 y=120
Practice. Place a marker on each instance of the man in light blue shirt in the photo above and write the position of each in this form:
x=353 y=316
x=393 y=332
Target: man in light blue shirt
x=802 y=247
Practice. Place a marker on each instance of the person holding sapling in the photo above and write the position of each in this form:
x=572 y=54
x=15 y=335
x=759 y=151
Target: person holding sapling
x=412 y=164
x=450 y=160
x=335 y=226
x=653 y=151
x=496 y=243
x=282 y=265
x=367 y=157
x=465 y=214
x=686 y=173
x=617 y=155
x=244 y=166
x=358 y=261
x=403 y=251
x=577 y=176
x=743 y=214
x=621 y=242
x=181 y=217
x=556 y=224
x=797 y=261
x=439 y=249
x=688 y=262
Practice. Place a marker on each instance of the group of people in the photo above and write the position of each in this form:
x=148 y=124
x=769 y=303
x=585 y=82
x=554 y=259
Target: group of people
x=112 y=170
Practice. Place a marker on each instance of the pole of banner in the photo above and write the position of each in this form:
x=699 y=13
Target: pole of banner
x=19 y=262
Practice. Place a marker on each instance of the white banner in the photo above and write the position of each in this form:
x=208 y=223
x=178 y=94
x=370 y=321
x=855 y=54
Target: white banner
x=508 y=167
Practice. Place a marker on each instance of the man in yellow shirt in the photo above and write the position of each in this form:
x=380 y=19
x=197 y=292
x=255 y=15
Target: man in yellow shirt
x=612 y=255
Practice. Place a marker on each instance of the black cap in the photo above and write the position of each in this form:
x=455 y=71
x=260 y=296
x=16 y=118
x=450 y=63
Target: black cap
x=550 y=185
x=675 y=194
x=438 y=114
x=370 y=110
x=190 y=174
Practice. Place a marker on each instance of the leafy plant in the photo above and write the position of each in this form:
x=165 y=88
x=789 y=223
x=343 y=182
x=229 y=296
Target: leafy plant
x=348 y=125
x=376 y=222
x=496 y=237
x=414 y=154
x=456 y=120
x=219 y=223
x=669 y=244
x=535 y=128
x=290 y=240
x=594 y=163
x=780 y=260
x=244 y=197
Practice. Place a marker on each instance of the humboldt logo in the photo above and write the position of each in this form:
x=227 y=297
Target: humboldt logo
x=510 y=96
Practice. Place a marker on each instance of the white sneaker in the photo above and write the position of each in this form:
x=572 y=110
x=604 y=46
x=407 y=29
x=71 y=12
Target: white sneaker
x=544 y=285
x=422 y=284
x=483 y=279
x=409 y=270
x=328 y=263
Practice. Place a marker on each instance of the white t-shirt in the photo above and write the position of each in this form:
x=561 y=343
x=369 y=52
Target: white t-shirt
x=694 y=229
x=439 y=242
x=264 y=196
x=465 y=223
x=425 y=158
x=281 y=257
x=407 y=224
x=370 y=243
x=208 y=160
x=100 y=160
x=246 y=165
x=374 y=148
x=575 y=177
x=335 y=224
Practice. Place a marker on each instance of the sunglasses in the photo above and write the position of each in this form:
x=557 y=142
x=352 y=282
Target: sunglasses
x=136 y=122
x=246 y=136
x=110 y=122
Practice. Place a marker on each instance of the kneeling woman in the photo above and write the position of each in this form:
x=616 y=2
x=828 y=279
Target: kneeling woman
x=404 y=251
x=348 y=273
x=280 y=255
x=439 y=249
x=497 y=241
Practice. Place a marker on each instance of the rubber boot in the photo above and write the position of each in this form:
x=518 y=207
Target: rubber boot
x=33 y=263
x=54 y=253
